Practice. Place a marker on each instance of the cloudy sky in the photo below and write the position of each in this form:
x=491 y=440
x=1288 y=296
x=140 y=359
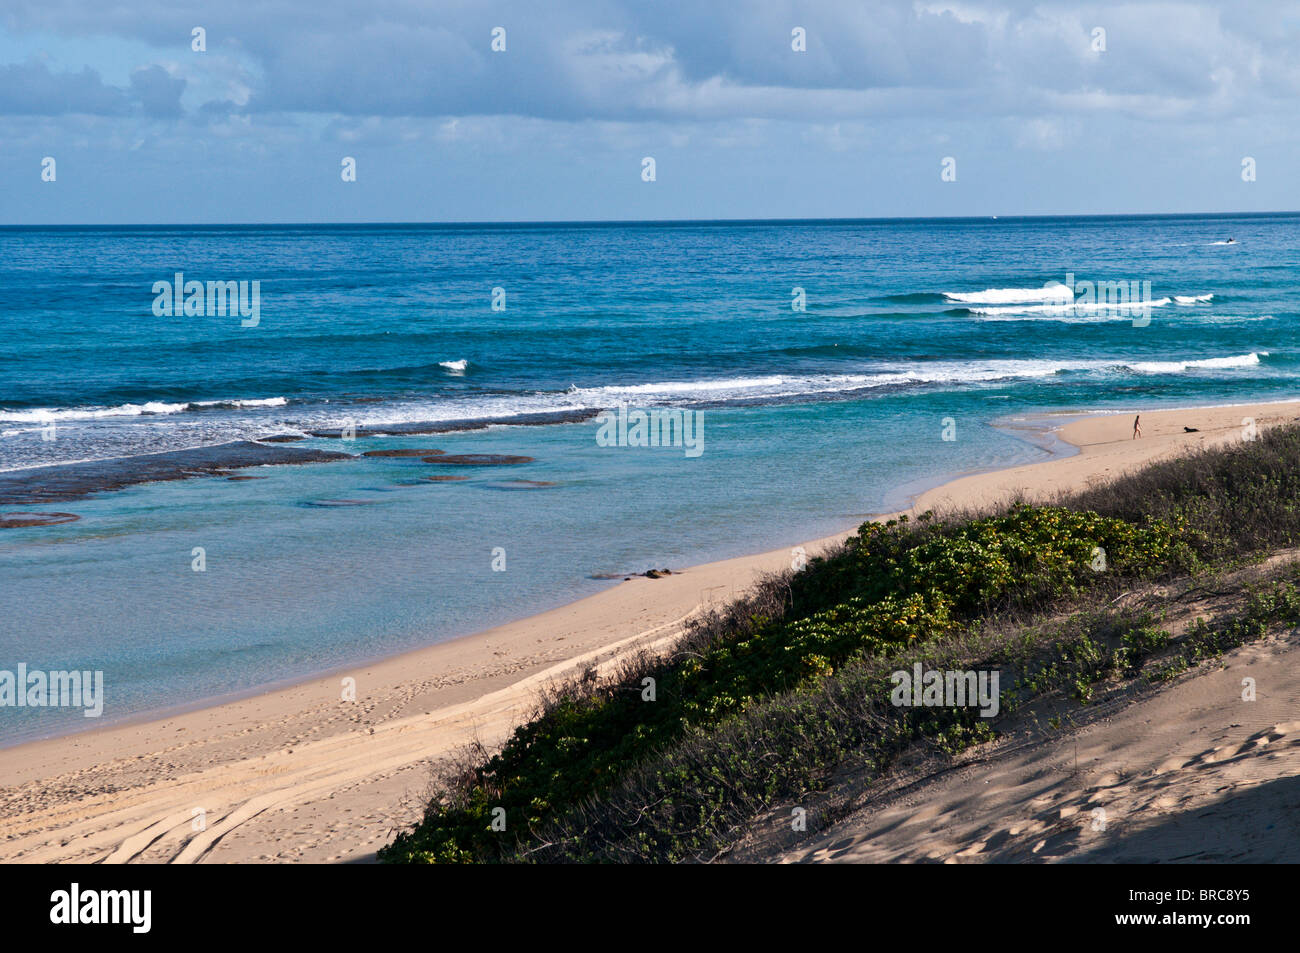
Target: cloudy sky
x=1046 y=108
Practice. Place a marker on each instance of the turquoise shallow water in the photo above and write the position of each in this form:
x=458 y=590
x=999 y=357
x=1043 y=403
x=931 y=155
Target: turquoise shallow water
x=812 y=419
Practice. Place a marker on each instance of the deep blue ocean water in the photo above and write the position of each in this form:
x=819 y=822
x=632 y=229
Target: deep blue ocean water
x=812 y=419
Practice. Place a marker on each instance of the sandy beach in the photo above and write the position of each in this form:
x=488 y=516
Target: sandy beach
x=300 y=775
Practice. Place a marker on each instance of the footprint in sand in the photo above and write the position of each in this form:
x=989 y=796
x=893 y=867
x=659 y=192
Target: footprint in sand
x=1027 y=827
x=929 y=812
x=1058 y=844
x=839 y=848
x=1278 y=732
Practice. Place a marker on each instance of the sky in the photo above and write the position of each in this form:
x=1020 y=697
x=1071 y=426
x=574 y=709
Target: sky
x=1042 y=108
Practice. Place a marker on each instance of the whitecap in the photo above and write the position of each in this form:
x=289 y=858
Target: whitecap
x=1207 y=363
x=1053 y=291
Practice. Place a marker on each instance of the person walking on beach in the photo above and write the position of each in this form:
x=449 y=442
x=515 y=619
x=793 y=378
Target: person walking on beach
x=1137 y=426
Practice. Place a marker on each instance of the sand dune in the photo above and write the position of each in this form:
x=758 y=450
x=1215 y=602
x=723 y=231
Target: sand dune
x=296 y=774
x=1192 y=773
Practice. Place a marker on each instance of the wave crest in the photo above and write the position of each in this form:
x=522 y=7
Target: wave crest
x=42 y=415
x=1053 y=291
x=1208 y=363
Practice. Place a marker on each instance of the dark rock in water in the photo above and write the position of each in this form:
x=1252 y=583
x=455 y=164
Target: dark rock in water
x=241 y=478
x=649 y=574
x=407 y=452
x=478 y=459
x=518 y=484
x=443 y=479
x=19 y=520
x=281 y=438
x=1191 y=430
x=340 y=502
x=457 y=426
x=75 y=481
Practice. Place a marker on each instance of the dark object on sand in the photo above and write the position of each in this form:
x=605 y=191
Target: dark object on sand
x=1191 y=430
x=649 y=574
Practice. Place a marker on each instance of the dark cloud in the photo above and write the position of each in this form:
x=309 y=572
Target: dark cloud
x=31 y=89
x=691 y=59
x=157 y=91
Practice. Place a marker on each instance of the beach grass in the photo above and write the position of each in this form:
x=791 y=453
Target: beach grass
x=764 y=700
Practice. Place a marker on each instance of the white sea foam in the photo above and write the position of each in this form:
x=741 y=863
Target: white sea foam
x=40 y=415
x=727 y=389
x=1085 y=310
x=235 y=404
x=883 y=375
x=790 y=385
x=1051 y=292
x=455 y=366
x=1193 y=299
x=107 y=431
x=757 y=388
x=1209 y=363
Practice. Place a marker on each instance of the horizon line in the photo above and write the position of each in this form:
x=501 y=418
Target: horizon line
x=654 y=221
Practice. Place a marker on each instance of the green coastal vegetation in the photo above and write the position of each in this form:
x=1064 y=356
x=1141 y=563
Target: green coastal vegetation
x=767 y=700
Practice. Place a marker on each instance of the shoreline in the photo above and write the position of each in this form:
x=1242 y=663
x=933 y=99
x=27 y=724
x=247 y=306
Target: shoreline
x=899 y=499
x=256 y=764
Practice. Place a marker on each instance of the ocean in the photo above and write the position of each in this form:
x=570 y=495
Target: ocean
x=825 y=370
